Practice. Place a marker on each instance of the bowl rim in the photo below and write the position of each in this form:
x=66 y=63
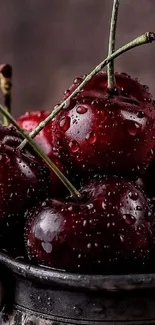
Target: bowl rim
x=63 y=279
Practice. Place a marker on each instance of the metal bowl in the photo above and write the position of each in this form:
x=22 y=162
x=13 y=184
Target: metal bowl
x=41 y=296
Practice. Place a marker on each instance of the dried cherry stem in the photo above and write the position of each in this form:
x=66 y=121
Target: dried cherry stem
x=112 y=38
x=143 y=39
x=42 y=154
x=6 y=85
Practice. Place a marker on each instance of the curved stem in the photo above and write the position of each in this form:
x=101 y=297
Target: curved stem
x=112 y=37
x=41 y=153
x=143 y=39
x=6 y=85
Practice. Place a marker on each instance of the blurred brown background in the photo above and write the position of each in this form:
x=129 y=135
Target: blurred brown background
x=49 y=42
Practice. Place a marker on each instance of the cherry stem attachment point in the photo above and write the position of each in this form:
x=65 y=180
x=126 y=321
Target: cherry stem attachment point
x=148 y=37
x=6 y=85
x=42 y=154
x=112 y=38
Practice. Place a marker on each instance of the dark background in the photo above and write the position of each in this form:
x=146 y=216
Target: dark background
x=49 y=42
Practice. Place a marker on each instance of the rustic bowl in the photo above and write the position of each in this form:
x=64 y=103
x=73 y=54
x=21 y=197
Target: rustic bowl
x=41 y=296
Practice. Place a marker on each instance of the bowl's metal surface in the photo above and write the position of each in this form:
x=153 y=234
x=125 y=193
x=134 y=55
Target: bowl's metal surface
x=41 y=296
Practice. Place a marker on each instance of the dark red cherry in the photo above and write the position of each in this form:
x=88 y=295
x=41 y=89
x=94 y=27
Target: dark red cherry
x=10 y=136
x=109 y=132
x=109 y=232
x=29 y=121
x=23 y=180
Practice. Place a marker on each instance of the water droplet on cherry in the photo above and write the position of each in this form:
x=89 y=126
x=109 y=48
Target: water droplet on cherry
x=77 y=80
x=150 y=153
x=129 y=219
x=140 y=114
x=139 y=230
x=146 y=88
x=90 y=206
x=91 y=138
x=138 y=208
x=121 y=238
x=74 y=146
x=133 y=128
x=65 y=123
x=84 y=223
x=81 y=109
x=133 y=195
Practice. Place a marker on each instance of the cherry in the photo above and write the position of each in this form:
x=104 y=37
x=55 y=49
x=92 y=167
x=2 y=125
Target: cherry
x=29 y=121
x=22 y=179
x=113 y=132
x=10 y=136
x=108 y=232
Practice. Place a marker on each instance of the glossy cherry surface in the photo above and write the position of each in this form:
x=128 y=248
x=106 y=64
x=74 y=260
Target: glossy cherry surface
x=109 y=232
x=22 y=179
x=110 y=132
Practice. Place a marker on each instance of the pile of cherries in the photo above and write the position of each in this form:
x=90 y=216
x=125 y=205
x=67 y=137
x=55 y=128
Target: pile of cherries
x=104 y=142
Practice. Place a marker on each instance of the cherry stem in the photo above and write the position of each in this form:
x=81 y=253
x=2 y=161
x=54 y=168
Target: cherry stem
x=6 y=85
x=112 y=38
x=42 y=154
x=143 y=39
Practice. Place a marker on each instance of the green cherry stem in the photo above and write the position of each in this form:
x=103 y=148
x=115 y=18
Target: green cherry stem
x=41 y=153
x=112 y=38
x=143 y=39
x=6 y=85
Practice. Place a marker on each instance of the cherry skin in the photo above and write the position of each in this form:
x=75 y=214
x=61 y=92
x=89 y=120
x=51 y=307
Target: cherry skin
x=22 y=179
x=9 y=136
x=108 y=132
x=29 y=121
x=109 y=232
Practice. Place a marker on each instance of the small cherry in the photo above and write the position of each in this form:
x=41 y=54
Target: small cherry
x=29 y=121
x=108 y=232
x=23 y=180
